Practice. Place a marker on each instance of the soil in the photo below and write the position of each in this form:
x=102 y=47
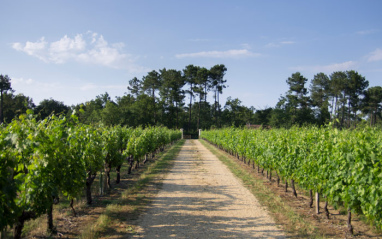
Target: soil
x=201 y=198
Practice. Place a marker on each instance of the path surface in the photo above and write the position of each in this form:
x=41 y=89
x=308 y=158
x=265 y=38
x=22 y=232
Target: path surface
x=201 y=198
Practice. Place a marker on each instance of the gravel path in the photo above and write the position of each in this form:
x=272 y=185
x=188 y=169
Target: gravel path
x=201 y=198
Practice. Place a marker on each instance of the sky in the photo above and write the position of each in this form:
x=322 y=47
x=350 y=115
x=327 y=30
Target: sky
x=72 y=50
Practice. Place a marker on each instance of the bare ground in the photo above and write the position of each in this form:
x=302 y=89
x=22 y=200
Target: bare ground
x=201 y=198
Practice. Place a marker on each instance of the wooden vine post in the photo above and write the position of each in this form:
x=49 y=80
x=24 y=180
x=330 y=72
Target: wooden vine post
x=317 y=203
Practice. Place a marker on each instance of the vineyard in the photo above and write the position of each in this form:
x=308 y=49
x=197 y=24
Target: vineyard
x=45 y=161
x=343 y=166
x=42 y=161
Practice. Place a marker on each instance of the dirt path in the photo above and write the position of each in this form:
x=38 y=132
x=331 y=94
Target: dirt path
x=200 y=198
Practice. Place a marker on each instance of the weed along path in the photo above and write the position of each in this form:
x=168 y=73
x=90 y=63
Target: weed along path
x=201 y=198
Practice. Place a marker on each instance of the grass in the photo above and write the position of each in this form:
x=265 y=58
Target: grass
x=294 y=224
x=39 y=224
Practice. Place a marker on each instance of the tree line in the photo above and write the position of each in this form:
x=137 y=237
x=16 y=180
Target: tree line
x=159 y=98
x=343 y=98
x=168 y=97
x=182 y=99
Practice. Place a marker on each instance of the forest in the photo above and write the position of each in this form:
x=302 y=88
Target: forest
x=180 y=99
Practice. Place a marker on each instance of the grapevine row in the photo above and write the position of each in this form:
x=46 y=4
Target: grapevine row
x=345 y=166
x=42 y=160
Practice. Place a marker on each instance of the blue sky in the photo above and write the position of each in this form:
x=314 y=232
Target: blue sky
x=73 y=51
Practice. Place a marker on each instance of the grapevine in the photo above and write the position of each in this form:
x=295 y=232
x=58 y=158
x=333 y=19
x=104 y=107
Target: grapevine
x=342 y=165
x=42 y=161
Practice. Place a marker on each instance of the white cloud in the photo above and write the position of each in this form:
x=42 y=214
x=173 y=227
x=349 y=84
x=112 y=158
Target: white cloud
x=220 y=54
x=375 y=55
x=287 y=42
x=90 y=48
x=271 y=44
x=21 y=81
x=68 y=44
x=279 y=44
x=92 y=87
x=199 y=40
x=103 y=55
x=36 y=49
x=367 y=32
x=348 y=65
x=87 y=87
x=66 y=48
x=246 y=46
